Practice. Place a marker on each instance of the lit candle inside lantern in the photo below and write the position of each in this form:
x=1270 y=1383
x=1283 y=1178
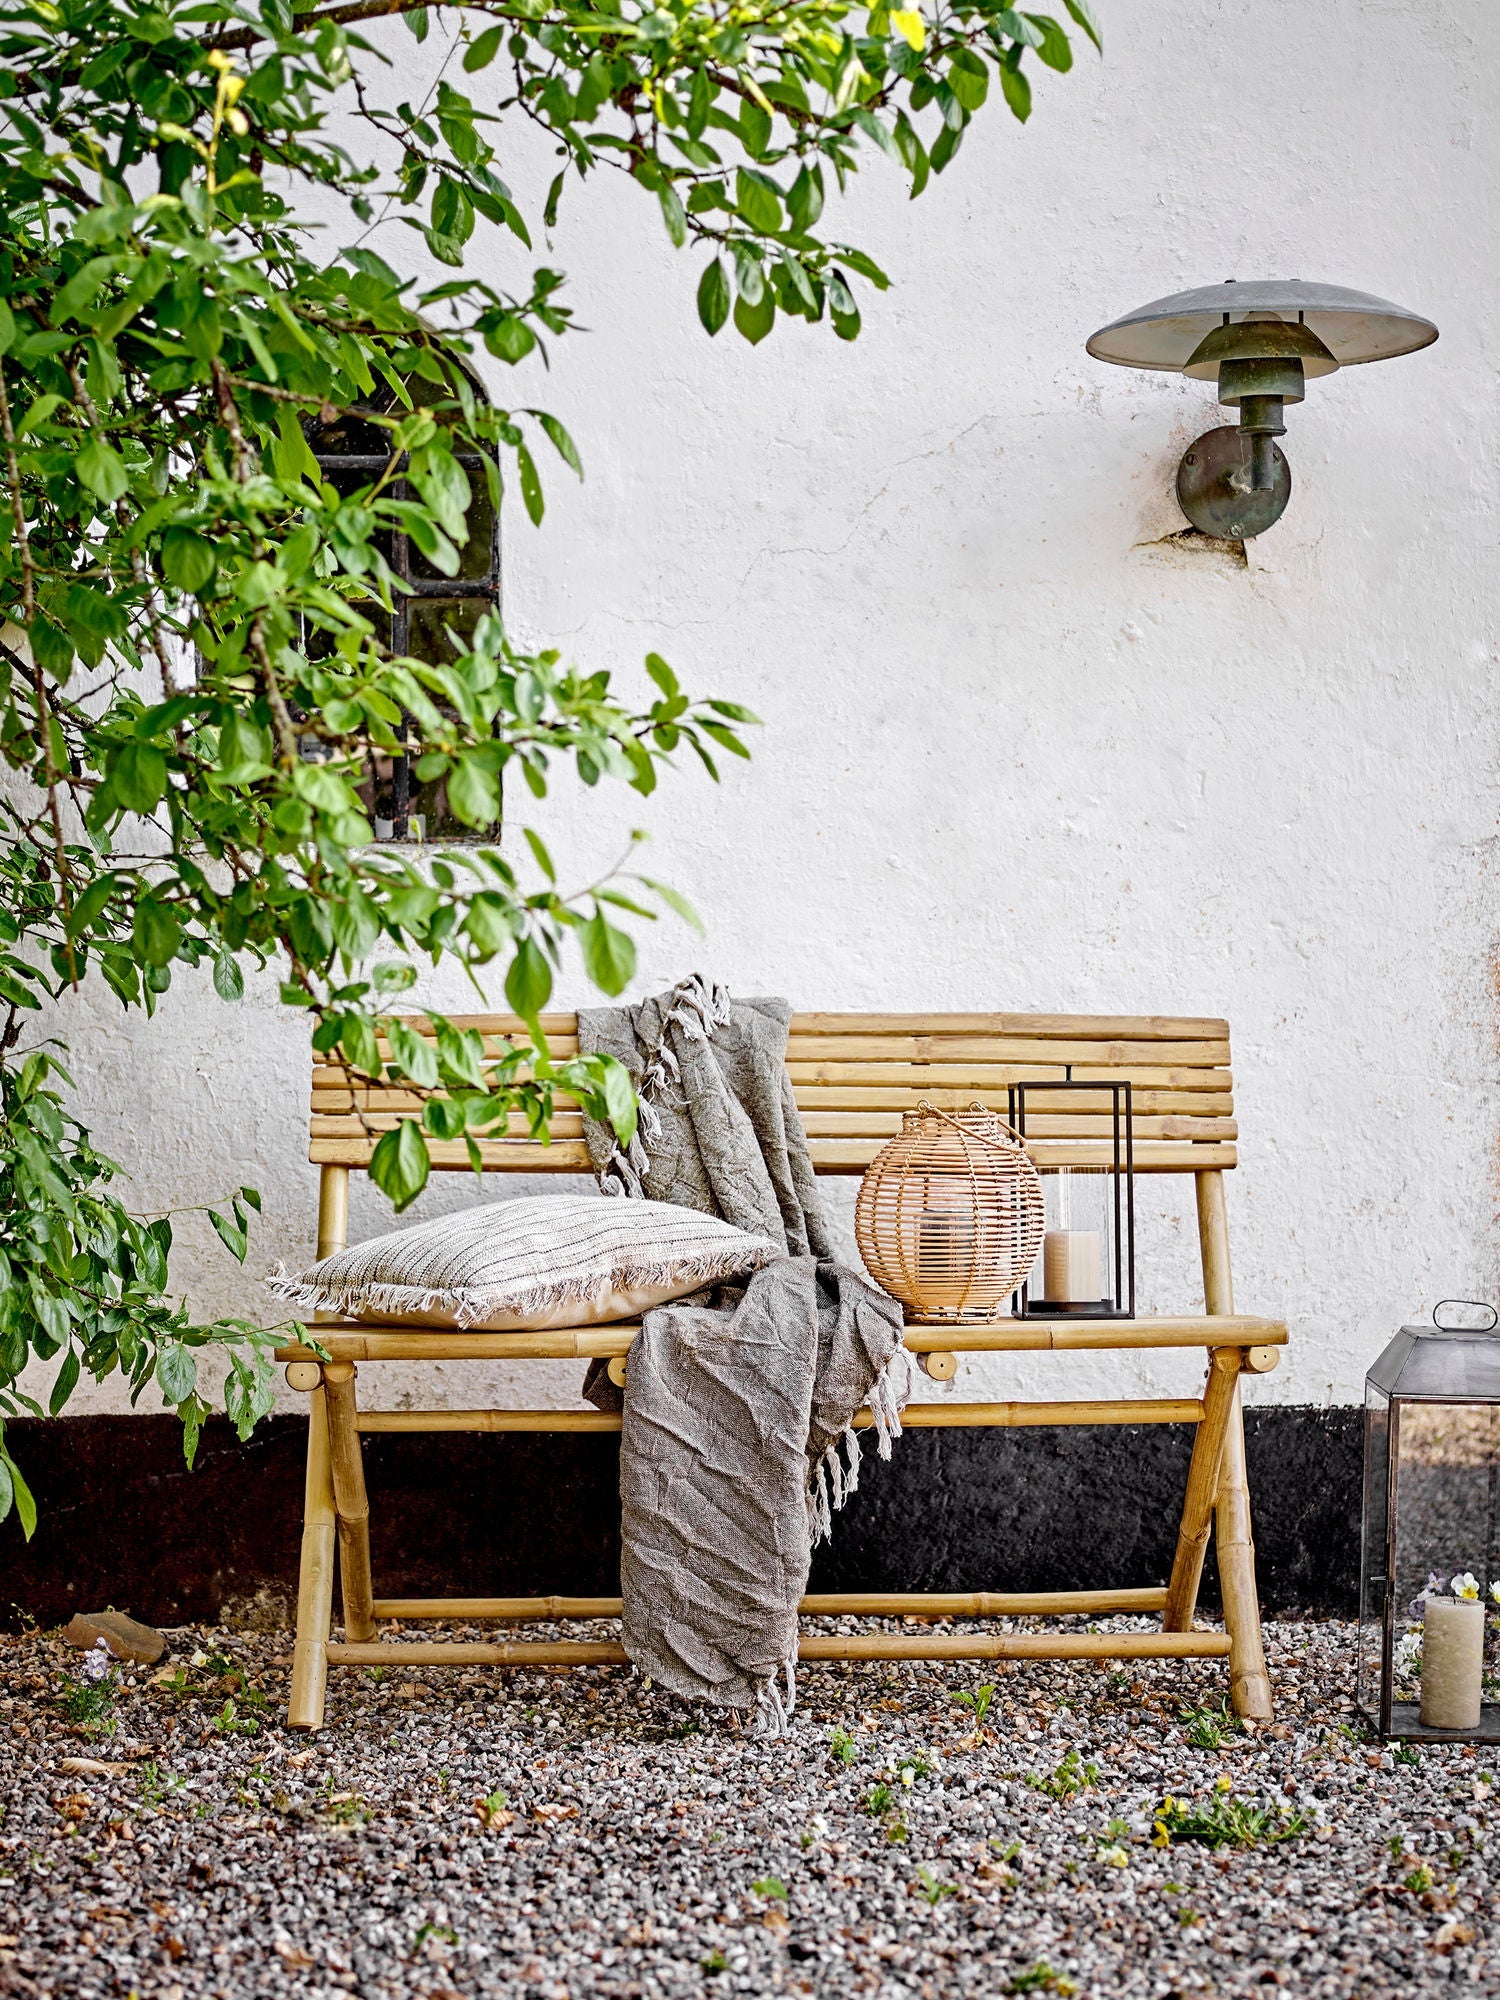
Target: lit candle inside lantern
x=1071 y=1258
x=1452 y=1662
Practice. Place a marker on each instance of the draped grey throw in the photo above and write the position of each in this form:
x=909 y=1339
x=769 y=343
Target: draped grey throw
x=738 y=1443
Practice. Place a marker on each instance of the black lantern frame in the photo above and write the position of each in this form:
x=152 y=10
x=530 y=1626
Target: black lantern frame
x=1118 y=1163
x=1431 y=1510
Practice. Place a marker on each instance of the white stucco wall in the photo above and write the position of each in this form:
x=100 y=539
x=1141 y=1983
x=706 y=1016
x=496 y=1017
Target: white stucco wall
x=1020 y=751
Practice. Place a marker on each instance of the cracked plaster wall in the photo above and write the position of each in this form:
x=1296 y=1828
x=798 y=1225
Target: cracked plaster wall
x=1022 y=751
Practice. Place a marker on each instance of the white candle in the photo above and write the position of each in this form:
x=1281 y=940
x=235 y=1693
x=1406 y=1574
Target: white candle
x=1071 y=1266
x=1452 y=1662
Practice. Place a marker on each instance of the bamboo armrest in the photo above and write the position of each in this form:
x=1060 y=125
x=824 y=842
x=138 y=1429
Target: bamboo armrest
x=349 y=1340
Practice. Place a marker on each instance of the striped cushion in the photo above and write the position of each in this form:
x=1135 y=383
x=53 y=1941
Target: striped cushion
x=543 y=1260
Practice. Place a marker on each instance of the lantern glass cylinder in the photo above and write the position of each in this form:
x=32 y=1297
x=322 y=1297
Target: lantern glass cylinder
x=1077 y=1269
x=1428 y=1663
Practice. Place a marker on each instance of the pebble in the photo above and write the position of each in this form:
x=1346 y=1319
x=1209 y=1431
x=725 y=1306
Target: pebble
x=552 y=1835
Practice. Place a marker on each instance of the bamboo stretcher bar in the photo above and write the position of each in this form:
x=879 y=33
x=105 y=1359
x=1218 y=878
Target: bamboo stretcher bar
x=351 y=1340
x=839 y=1604
x=343 y=1142
x=916 y=1417
x=863 y=1646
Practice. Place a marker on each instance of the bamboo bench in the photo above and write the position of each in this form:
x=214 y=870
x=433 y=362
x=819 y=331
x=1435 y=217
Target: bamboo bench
x=854 y=1074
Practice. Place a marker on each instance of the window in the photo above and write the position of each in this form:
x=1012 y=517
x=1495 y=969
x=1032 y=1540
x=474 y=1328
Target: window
x=350 y=453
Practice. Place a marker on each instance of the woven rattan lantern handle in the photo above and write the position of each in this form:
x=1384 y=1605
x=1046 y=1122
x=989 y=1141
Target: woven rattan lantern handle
x=968 y=1131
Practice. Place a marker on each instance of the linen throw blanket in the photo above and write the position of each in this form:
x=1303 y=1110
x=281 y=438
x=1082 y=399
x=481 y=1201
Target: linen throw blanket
x=737 y=1404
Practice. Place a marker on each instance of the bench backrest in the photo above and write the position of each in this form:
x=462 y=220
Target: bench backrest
x=854 y=1075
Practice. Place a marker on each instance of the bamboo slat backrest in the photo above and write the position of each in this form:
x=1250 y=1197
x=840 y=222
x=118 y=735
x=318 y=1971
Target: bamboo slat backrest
x=854 y=1075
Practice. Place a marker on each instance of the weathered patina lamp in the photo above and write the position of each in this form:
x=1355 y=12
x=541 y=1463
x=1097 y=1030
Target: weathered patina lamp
x=1261 y=342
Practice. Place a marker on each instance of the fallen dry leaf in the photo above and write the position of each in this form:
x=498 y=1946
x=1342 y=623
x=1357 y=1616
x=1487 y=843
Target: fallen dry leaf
x=545 y=1812
x=90 y=1767
x=776 y=1920
x=1452 y=1933
x=77 y=1806
x=302 y=1758
x=292 y=1954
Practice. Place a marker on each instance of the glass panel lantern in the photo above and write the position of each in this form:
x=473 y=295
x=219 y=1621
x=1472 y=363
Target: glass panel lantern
x=1087 y=1266
x=1429 y=1631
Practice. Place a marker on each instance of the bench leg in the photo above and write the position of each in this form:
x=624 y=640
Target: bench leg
x=350 y=1501
x=1250 y=1684
x=315 y=1579
x=1202 y=1489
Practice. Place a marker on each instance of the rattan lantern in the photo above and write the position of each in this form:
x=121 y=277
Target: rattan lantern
x=950 y=1215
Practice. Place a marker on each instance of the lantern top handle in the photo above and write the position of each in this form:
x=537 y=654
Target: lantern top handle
x=1470 y=1305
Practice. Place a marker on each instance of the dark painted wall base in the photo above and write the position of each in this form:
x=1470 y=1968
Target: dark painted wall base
x=122 y=1522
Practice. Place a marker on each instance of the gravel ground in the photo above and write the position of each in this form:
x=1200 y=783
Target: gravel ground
x=563 y=1834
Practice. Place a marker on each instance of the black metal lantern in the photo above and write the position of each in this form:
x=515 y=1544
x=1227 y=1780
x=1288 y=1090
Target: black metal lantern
x=1430 y=1568
x=1087 y=1266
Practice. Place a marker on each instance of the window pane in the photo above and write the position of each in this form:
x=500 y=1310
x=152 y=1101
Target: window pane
x=476 y=556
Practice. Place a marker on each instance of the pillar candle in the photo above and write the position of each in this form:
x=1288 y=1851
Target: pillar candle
x=1452 y=1662
x=1071 y=1265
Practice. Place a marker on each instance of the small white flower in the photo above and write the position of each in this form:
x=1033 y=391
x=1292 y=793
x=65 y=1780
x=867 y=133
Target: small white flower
x=1466 y=1585
x=1409 y=1653
x=1115 y=1856
x=97 y=1661
x=1495 y=1591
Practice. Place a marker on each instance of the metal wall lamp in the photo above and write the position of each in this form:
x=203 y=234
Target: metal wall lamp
x=1260 y=342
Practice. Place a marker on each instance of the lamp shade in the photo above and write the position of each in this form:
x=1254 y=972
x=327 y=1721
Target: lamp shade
x=1353 y=326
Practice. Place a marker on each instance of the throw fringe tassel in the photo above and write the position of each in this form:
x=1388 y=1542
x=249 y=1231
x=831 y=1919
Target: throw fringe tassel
x=697 y=1006
x=834 y=1480
x=773 y=1711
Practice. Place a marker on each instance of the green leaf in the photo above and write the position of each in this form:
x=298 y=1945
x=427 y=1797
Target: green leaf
x=673 y=213
x=156 y=932
x=7 y=328
x=755 y=321
x=881 y=134
x=138 y=777
x=619 y=1098
x=102 y=470
x=229 y=982
x=483 y=50
x=567 y=451
x=675 y=900
x=1017 y=91
x=531 y=485
x=473 y=793
x=758 y=199
x=1054 y=49
x=176 y=1373
x=539 y=853
x=528 y=983
x=1084 y=15
x=66 y=1382
x=414 y=1053
x=608 y=954
x=188 y=559
x=713 y=296
x=357 y=1037
x=20 y=1492
x=235 y=1240
x=400 y=1164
